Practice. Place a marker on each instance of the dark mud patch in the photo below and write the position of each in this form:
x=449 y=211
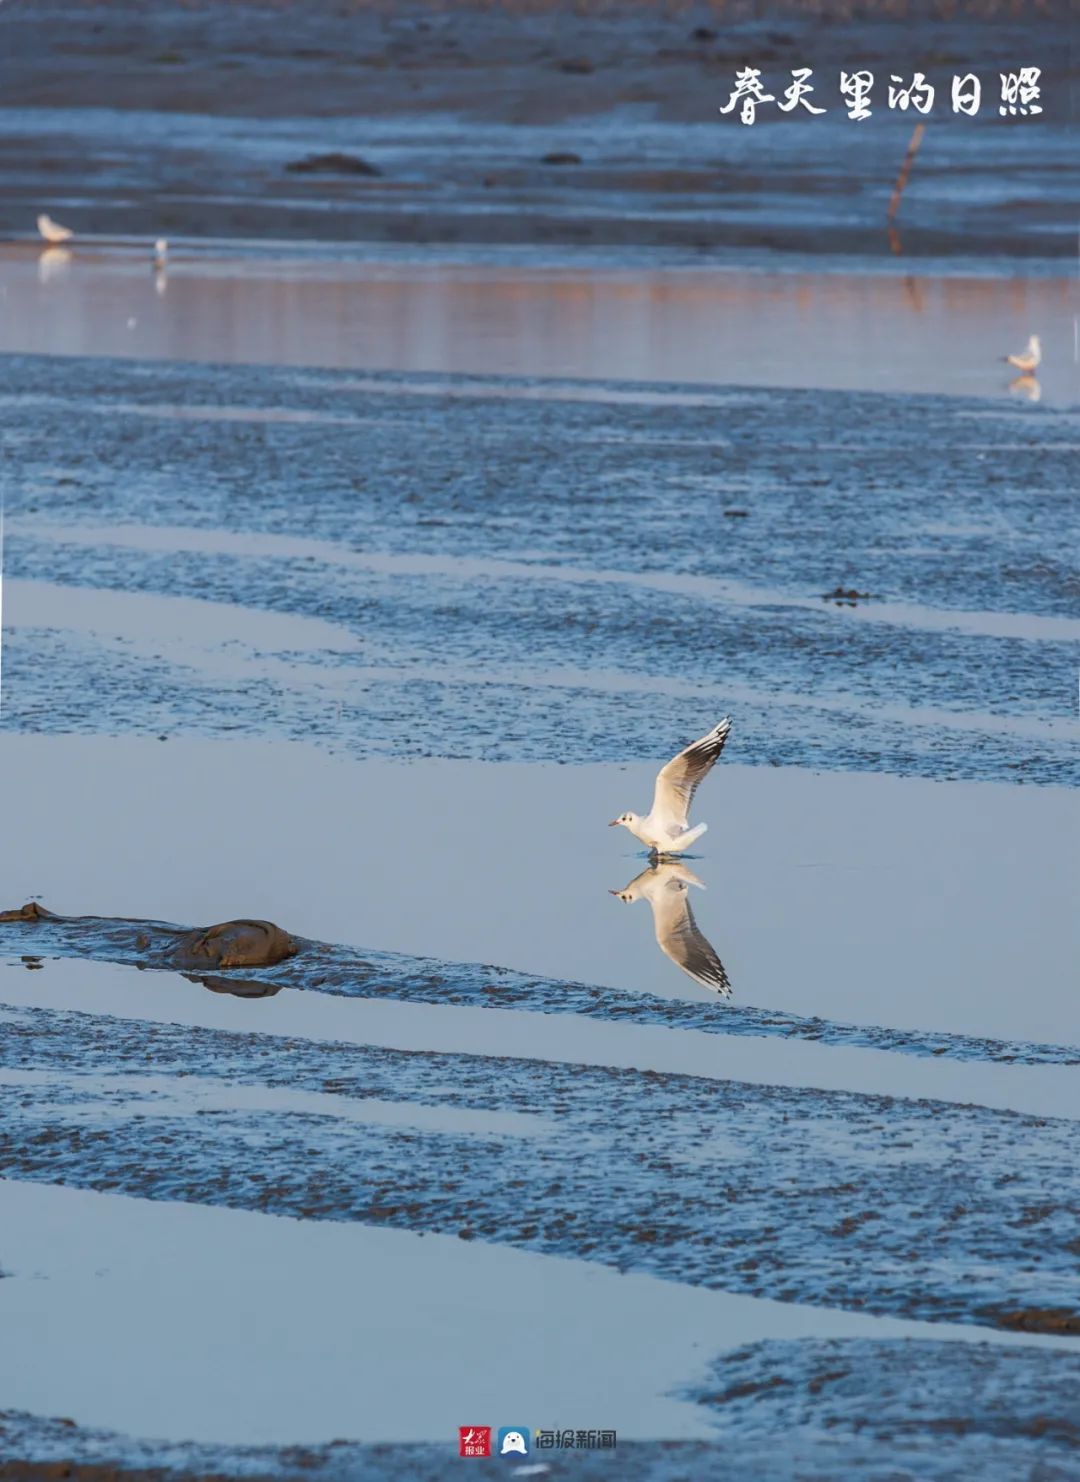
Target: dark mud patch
x=321 y=967
x=1037 y=1320
x=758 y=1190
x=334 y=163
x=846 y=596
x=1005 y=1404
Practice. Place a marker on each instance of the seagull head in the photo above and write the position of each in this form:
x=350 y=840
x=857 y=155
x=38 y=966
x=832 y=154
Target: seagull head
x=626 y=819
x=652 y=878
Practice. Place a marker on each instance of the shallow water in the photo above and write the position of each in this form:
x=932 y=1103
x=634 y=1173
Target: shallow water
x=890 y=330
x=623 y=1145
x=370 y=1319
x=293 y=1015
x=877 y=901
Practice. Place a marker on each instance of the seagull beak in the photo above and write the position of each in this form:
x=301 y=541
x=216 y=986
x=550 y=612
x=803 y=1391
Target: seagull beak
x=613 y=822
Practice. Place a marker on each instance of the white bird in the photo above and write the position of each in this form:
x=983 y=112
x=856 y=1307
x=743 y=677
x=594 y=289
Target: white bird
x=52 y=231
x=161 y=252
x=666 y=887
x=666 y=829
x=1029 y=359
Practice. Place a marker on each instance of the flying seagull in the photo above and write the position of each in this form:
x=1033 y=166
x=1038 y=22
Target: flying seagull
x=666 y=829
x=1028 y=360
x=52 y=231
x=666 y=887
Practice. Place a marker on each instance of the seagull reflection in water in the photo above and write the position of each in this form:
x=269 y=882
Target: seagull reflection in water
x=666 y=886
x=53 y=263
x=1026 y=386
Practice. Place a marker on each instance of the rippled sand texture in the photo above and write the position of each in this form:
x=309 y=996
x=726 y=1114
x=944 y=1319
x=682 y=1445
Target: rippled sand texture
x=514 y=572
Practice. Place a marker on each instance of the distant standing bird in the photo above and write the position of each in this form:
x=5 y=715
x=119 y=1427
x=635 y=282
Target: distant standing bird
x=666 y=829
x=52 y=231
x=161 y=252
x=667 y=889
x=1029 y=359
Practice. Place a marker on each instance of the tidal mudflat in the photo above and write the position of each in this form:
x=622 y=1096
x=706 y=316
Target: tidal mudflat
x=360 y=563
x=516 y=574
x=549 y=126
x=374 y=658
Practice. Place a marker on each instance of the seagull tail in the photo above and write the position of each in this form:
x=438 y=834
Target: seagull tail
x=692 y=835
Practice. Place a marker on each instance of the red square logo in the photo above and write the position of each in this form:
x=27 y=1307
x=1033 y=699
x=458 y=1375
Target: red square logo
x=474 y=1440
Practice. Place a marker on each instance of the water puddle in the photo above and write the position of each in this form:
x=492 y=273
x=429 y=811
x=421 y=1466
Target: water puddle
x=867 y=899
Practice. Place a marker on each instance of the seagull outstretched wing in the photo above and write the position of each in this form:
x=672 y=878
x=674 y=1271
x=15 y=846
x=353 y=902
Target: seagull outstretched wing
x=679 y=936
x=667 y=889
x=679 y=780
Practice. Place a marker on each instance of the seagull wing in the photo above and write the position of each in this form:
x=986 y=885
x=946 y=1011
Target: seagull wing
x=679 y=936
x=1027 y=359
x=679 y=780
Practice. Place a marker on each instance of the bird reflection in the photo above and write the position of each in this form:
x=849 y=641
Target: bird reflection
x=161 y=266
x=1026 y=386
x=666 y=886
x=53 y=262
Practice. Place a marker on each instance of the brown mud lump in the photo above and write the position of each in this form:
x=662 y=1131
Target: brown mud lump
x=30 y=912
x=238 y=943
